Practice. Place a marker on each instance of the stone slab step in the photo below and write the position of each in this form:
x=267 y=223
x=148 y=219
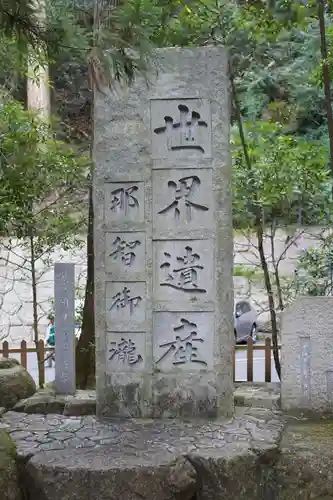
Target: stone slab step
x=258 y=395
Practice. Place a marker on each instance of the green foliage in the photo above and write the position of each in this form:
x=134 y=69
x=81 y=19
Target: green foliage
x=42 y=181
x=251 y=272
x=181 y=23
x=18 y=20
x=287 y=172
x=314 y=272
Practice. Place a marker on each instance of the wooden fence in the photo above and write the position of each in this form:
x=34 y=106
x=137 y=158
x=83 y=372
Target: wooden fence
x=44 y=351
x=252 y=348
x=41 y=349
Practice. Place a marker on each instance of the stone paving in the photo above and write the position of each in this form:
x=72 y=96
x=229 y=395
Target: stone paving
x=259 y=455
x=253 y=429
x=80 y=458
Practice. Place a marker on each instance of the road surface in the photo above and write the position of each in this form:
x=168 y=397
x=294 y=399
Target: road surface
x=241 y=367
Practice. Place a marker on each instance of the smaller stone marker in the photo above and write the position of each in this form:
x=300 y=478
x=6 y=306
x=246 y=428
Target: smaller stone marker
x=307 y=355
x=64 y=300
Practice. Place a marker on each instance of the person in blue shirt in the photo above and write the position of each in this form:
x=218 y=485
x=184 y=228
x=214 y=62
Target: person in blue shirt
x=50 y=338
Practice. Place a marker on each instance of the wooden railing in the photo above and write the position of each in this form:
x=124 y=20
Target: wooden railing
x=23 y=350
x=45 y=351
x=250 y=349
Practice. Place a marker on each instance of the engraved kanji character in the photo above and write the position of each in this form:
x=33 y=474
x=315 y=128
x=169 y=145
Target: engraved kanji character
x=125 y=351
x=183 y=349
x=183 y=193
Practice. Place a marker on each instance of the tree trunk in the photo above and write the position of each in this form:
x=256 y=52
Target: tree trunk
x=38 y=89
x=38 y=92
x=38 y=99
x=276 y=267
x=268 y=286
x=326 y=79
x=278 y=288
x=35 y=304
x=85 y=351
x=259 y=227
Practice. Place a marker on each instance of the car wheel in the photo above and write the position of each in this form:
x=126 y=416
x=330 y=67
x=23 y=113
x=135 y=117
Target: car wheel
x=253 y=333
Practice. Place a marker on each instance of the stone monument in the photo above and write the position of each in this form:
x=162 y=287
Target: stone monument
x=64 y=305
x=307 y=355
x=163 y=242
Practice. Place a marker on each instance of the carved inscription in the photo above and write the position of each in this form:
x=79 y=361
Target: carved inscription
x=184 y=133
x=183 y=198
x=123 y=251
x=305 y=368
x=123 y=300
x=184 y=349
x=123 y=200
x=125 y=352
x=184 y=276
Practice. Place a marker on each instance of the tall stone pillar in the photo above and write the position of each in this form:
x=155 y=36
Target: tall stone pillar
x=163 y=242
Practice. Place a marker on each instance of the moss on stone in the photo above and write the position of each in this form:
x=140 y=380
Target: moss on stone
x=315 y=430
x=306 y=463
x=7 y=446
x=9 y=477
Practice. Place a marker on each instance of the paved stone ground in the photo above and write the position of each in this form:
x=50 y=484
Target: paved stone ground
x=260 y=454
x=250 y=428
x=80 y=458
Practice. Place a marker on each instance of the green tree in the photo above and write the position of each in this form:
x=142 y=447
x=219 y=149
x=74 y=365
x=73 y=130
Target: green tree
x=314 y=271
x=278 y=174
x=43 y=184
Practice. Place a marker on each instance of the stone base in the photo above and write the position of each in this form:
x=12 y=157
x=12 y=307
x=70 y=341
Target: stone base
x=193 y=395
x=80 y=458
x=257 y=455
x=84 y=402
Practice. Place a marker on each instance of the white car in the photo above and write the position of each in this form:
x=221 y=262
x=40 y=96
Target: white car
x=245 y=321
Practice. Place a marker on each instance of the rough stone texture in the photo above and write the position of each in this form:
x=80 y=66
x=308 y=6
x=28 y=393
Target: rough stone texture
x=258 y=395
x=173 y=203
x=81 y=458
x=84 y=402
x=9 y=475
x=304 y=471
x=15 y=383
x=152 y=475
x=306 y=355
x=8 y=363
x=46 y=401
x=41 y=402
